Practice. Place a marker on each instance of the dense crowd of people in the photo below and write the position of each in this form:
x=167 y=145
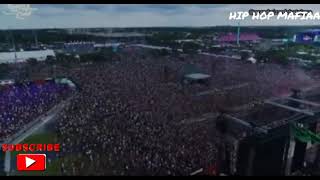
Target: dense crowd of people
x=126 y=117
x=22 y=103
x=128 y=123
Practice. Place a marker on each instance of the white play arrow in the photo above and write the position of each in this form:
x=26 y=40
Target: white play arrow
x=29 y=162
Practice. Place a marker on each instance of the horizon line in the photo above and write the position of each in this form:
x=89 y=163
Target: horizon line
x=140 y=27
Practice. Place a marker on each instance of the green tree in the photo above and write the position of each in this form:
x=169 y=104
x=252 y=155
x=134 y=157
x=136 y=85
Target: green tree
x=262 y=56
x=4 y=70
x=280 y=57
x=104 y=55
x=164 y=38
x=274 y=56
x=216 y=49
x=164 y=52
x=107 y=53
x=190 y=47
x=31 y=66
x=244 y=56
x=65 y=60
x=32 y=62
x=50 y=60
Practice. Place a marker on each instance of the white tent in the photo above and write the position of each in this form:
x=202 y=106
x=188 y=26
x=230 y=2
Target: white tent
x=40 y=55
x=252 y=60
x=6 y=82
x=65 y=81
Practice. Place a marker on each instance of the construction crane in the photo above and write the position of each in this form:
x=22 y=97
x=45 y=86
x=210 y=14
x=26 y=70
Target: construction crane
x=16 y=72
x=35 y=38
x=238 y=35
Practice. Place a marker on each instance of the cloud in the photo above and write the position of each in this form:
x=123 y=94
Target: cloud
x=146 y=15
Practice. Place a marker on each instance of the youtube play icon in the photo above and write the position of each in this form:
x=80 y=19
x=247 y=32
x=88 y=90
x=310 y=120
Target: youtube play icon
x=31 y=162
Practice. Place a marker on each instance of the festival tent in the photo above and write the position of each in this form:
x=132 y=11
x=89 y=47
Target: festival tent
x=65 y=81
x=21 y=56
x=232 y=37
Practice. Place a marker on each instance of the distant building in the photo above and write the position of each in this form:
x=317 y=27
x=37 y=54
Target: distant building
x=278 y=42
x=150 y=46
x=115 y=46
x=307 y=37
x=188 y=40
x=79 y=47
x=107 y=45
x=302 y=53
x=117 y=36
x=57 y=45
x=21 y=56
x=244 y=37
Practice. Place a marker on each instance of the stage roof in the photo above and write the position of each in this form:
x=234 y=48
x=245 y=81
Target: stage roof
x=197 y=76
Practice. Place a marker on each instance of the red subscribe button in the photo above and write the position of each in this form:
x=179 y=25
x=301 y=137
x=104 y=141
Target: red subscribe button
x=31 y=162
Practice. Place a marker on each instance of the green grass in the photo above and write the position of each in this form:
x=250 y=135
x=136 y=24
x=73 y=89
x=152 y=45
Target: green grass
x=41 y=138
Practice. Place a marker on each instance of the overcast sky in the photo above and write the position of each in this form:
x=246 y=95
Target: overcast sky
x=85 y=15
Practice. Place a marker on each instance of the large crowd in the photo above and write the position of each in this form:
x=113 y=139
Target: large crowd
x=22 y=103
x=126 y=118
x=128 y=124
